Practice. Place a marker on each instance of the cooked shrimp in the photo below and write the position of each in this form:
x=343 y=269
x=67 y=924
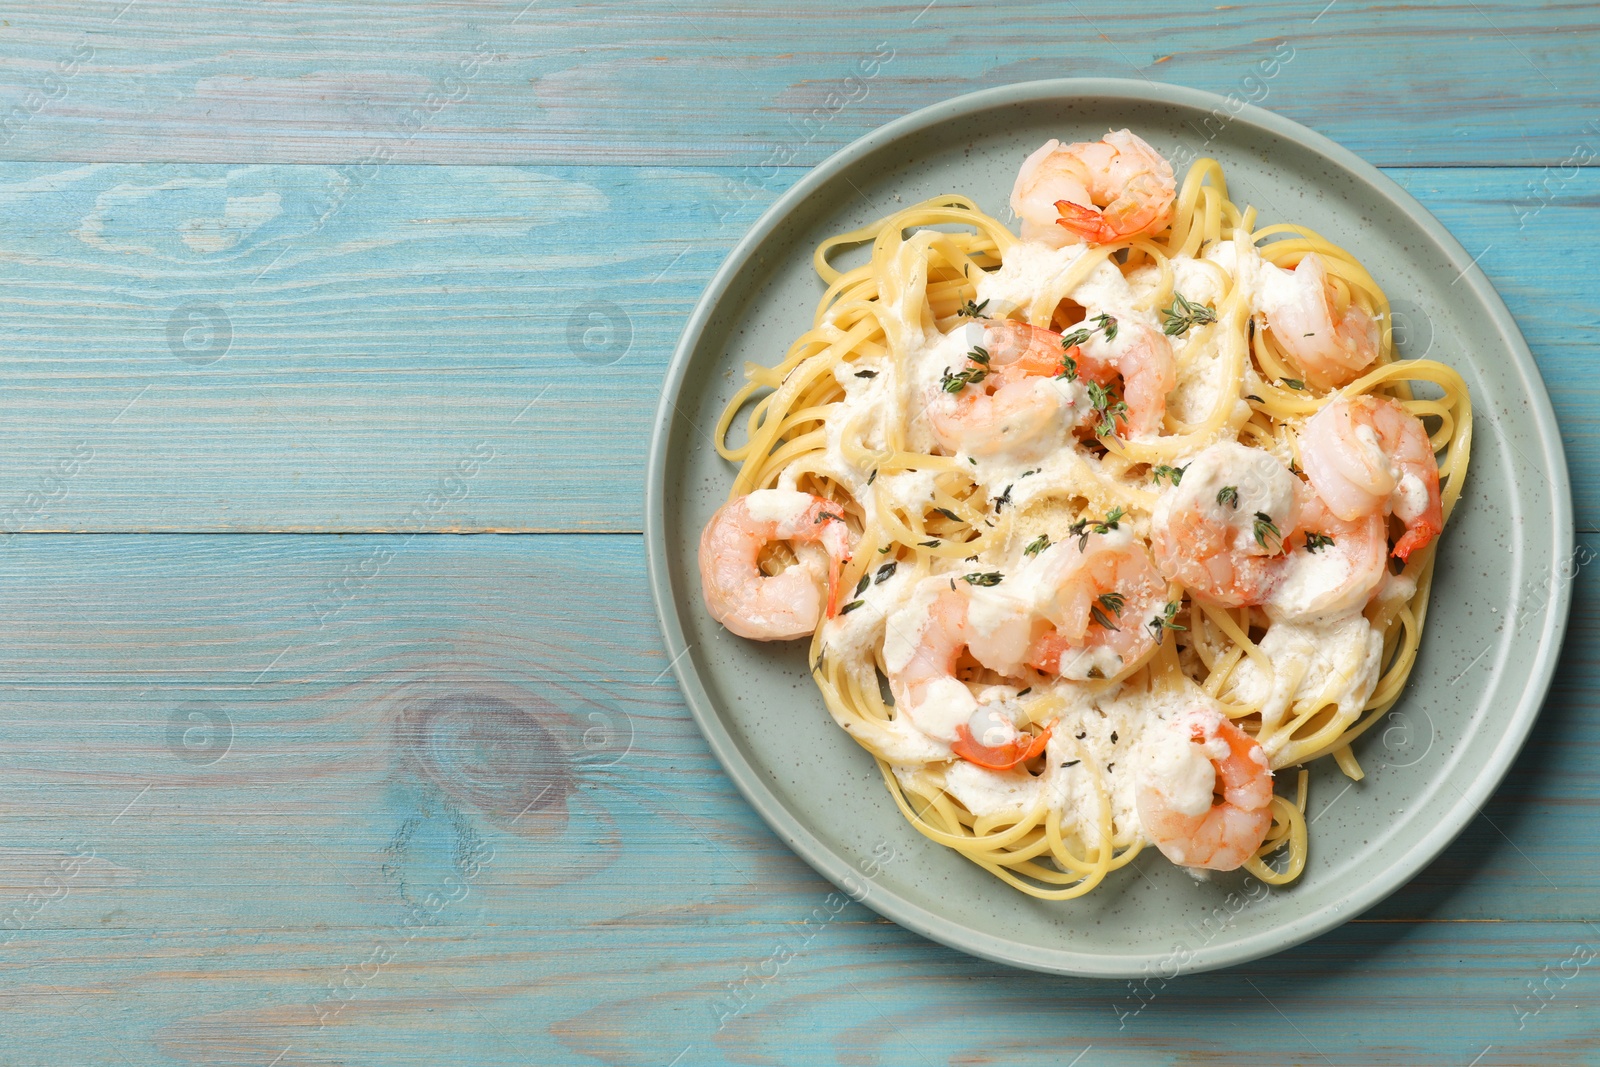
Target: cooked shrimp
x=781 y=606
x=1369 y=455
x=1299 y=307
x=923 y=680
x=1334 y=567
x=923 y=642
x=1098 y=191
x=992 y=740
x=1221 y=531
x=1016 y=399
x=1100 y=599
x=1204 y=793
x=1141 y=356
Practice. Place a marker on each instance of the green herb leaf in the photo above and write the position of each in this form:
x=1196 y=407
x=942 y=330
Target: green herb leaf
x=1108 y=325
x=1076 y=337
x=853 y=605
x=1229 y=495
x=1069 y=369
x=955 y=381
x=873 y=476
x=866 y=374
x=885 y=572
x=1084 y=527
x=1100 y=617
x=979 y=354
x=1293 y=383
x=947 y=513
x=984 y=578
x=929 y=544
x=861 y=586
x=1316 y=542
x=1113 y=602
x=970 y=310
x=1264 y=529
x=1172 y=474
x=1164 y=621
x=1185 y=314
x=1107 y=406
x=1037 y=545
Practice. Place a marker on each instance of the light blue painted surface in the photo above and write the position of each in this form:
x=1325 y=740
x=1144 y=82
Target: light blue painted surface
x=234 y=767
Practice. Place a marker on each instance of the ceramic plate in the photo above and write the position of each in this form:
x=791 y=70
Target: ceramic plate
x=1494 y=628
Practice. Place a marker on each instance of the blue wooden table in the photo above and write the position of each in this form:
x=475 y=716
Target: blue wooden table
x=294 y=294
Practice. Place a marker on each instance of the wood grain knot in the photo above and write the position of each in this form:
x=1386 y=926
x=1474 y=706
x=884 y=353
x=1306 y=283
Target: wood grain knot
x=489 y=751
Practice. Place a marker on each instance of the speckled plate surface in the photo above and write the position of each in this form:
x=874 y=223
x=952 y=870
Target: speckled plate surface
x=1499 y=605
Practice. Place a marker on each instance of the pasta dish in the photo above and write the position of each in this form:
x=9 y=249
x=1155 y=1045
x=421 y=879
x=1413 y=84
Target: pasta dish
x=1101 y=531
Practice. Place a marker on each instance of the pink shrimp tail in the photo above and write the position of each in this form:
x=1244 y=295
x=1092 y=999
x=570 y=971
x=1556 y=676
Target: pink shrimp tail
x=1087 y=222
x=1416 y=537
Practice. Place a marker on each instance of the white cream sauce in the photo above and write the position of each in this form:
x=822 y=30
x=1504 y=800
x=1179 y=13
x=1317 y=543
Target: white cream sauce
x=1314 y=664
x=780 y=506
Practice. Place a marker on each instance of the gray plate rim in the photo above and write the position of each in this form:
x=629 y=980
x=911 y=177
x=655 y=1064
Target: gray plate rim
x=838 y=870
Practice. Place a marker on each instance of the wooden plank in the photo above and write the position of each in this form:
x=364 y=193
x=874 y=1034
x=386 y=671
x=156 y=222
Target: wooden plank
x=503 y=81
x=245 y=348
x=479 y=988
x=202 y=347
x=463 y=816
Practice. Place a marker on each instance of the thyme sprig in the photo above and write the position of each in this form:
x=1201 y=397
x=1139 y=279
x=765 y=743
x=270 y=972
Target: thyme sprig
x=1185 y=314
x=1172 y=474
x=1108 y=406
x=1103 y=324
x=1084 y=527
x=1111 y=602
x=1164 y=621
x=1264 y=528
x=955 y=381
